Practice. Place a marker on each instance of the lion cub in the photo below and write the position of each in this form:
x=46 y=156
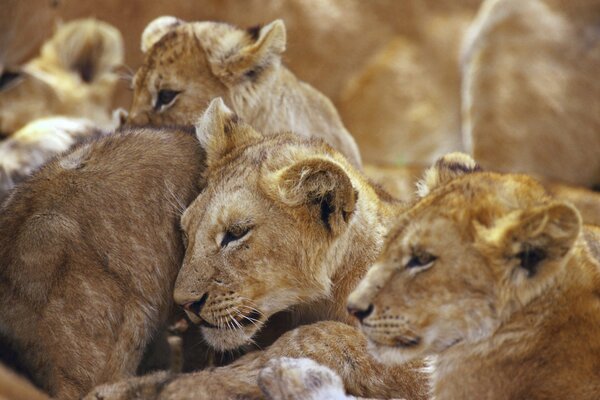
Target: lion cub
x=188 y=64
x=89 y=250
x=498 y=279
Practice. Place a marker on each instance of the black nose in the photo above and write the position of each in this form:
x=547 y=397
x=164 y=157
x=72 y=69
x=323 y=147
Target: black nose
x=196 y=306
x=360 y=314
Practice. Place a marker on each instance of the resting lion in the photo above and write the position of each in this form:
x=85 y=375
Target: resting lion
x=89 y=251
x=188 y=64
x=498 y=279
x=73 y=76
x=284 y=224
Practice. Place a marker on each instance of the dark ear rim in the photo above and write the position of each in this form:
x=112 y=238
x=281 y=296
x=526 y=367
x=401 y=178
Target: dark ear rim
x=444 y=170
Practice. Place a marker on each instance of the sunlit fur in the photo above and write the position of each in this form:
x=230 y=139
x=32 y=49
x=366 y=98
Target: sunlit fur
x=294 y=256
x=74 y=75
x=204 y=60
x=499 y=329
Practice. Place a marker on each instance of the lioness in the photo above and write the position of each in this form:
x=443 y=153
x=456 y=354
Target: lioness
x=283 y=224
x=188 y=64
x=74 y=75
x=89 y=250
x=498 y=279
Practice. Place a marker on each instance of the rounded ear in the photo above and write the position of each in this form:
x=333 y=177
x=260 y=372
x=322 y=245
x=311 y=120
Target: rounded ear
x=536 y=235
x=444 y=170
x=249 y=60
x=157 y=29
x=219 y=131
x=88 y=47
x=322 y=186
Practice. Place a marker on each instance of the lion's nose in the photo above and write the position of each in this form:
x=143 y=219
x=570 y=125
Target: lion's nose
x=359 y=313
x=196 y=306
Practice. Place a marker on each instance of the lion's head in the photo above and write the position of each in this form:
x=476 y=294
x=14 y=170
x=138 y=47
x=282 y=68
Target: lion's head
x=74 y=75
x=186 y=65
x=464 y=258
x=267 y=231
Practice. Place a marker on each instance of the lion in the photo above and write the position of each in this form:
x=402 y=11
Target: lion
x=74 y=76
x=90 y=247
x=240 y=268
x=188 y=64
x=340 y=349
x=496 y=279
x=530 y=93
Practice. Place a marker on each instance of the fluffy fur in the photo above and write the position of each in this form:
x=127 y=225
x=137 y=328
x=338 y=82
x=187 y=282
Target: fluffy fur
x=188 y=64
x=499 y=281
x=89 y=250
x=73 y=76
x=530 y=93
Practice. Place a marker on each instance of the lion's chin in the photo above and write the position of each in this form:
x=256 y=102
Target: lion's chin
x=228 y=339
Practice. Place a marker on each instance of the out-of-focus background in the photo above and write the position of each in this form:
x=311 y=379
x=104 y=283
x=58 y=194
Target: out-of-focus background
x=513 y=82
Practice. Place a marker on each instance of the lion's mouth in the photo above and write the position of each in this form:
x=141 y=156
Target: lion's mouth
x=406 y=342
x=242 y=321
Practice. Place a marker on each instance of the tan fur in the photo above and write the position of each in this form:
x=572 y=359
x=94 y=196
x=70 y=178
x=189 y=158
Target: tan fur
x=203 y=60
x=73 y=76
x=36 y=143
x=530 y=89
x=89 y=251
x=337 y=346
x=241 y=268
x=499 y=281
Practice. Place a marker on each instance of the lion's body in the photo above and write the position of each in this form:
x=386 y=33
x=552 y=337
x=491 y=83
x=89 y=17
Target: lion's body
x=204 y=60
x=89 y=251
x=497 y=279
x=530 y=94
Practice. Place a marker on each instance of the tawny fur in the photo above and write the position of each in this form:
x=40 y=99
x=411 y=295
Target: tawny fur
x=15 y=387
x=337 y=347
x=241 y=268
x=496 y=279
x=204 y=60
x=90 y=248
x=74 y=76
x=530 y=94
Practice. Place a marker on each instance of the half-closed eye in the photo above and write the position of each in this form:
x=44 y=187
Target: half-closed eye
x=420 y=259
x=234 y=233
x=165 y=98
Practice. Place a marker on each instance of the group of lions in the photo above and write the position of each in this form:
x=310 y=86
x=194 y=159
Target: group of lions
x=233 y=194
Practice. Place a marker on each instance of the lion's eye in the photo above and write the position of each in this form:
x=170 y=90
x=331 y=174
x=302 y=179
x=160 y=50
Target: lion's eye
x=420 y=259
x=234 y=233
x=165 y=97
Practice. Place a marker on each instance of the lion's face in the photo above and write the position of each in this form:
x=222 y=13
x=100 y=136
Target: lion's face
x=257 y=236
x=186 y=65
x=460 y=261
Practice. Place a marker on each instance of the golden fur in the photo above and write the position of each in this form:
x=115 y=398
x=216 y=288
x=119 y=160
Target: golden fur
x=73 y=76
x=188 y=64
x=89 y=251
x=15 y=387
x=240 y=267
x=336 y=346
x=530 y=89
x=495 y=278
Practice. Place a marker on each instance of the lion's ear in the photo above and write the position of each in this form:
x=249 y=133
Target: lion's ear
x=219 y=131
x=157 y=29
x=444 y=170
x=322 y=186
x=252 y=60
x=536 y=236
